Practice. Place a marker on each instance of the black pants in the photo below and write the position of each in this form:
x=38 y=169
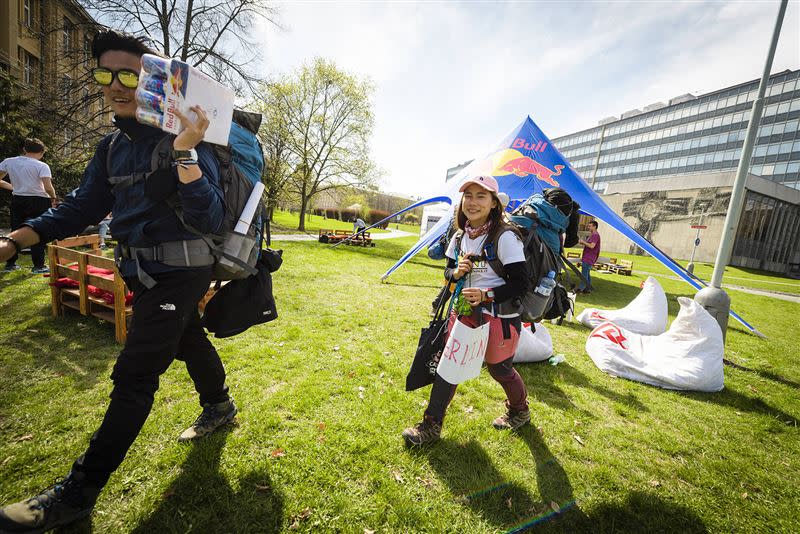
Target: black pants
x=22 y=209
x=165 y=326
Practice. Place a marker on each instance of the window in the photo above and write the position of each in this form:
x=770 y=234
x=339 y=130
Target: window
x=27 y=13
x=87 y=48
x=67 y=37
x=29 y=66
x=66 y=89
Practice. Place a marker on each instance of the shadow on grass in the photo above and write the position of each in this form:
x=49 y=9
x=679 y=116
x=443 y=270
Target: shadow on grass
x=741 y=402
x=201 y=499
x=764 y=374
x=640 y=512
x=469 y=473
x=558 y=499
x=540 y=379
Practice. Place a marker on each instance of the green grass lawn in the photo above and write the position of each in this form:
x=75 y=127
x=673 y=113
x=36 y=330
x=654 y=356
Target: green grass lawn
x=317 y=445
x=285 y=222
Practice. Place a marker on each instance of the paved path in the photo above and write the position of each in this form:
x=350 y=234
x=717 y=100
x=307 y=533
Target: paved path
x=762 y=292
x=391 y=234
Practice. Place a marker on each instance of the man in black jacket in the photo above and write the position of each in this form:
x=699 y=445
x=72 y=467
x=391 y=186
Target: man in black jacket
x=165 y=323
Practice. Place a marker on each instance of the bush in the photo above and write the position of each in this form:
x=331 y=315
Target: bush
x=411 y=218
x=349 y=215
x=376 y=215
x=332 y=213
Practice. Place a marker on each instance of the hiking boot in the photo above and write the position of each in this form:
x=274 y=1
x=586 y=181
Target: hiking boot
x=13 y=267
x=44 y=269
x=213 y=417
x=512 y=419
x=427 y=431
x=68 y=500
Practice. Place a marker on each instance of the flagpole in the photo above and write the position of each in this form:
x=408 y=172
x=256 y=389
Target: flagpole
x=714 y=298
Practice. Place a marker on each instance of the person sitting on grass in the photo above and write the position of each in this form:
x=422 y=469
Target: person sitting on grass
x=165 y=325
x=493 y=300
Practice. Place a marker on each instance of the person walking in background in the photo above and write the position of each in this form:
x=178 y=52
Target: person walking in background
x=31 y=186
x=591 y=251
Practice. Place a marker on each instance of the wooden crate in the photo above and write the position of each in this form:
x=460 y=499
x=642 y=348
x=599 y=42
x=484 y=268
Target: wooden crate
x=66 y=262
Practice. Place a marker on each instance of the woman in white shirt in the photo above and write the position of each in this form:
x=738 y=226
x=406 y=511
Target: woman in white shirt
x=494 y=299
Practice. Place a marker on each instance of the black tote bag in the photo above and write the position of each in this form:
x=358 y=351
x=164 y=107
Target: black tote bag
x=429 y=348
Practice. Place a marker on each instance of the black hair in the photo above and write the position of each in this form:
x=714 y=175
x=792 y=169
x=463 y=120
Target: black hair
x=594 y=223
x=33 y=145
x=109 y=39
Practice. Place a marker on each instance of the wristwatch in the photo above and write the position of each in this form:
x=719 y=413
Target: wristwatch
x=179 y=155
x=489 y=295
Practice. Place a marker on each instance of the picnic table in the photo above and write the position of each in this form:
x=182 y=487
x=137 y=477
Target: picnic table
x=336 y=236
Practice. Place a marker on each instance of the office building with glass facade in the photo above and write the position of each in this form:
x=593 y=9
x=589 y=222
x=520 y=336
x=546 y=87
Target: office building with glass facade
x=678 y=162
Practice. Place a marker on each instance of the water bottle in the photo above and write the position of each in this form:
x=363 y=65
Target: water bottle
x=556 y=359
x=547 y=284
x=535 y=303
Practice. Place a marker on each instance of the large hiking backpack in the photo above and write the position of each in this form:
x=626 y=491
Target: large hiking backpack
x=540 y=222
x=240 y=167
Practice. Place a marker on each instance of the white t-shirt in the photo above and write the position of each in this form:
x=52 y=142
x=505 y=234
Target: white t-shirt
x=26 y=175
x=482 y=275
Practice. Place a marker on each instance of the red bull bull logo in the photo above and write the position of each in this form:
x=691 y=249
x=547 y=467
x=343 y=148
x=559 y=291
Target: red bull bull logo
x=525 y=166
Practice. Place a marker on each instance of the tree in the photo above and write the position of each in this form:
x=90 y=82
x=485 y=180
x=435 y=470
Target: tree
x=212 y=35
x=328 y=118
x=273 y=136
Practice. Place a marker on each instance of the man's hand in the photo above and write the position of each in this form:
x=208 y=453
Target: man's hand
x=193 y=131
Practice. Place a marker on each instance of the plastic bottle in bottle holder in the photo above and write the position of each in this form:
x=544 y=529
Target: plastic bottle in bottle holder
x=547 y=284
x=535 y=303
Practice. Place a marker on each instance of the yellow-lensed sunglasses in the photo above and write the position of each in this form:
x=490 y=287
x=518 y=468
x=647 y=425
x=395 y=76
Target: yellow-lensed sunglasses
x=127 y=77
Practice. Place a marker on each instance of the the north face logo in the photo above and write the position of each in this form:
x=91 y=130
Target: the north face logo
x=168 y=307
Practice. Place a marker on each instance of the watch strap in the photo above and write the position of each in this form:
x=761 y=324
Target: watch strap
x=178 y=155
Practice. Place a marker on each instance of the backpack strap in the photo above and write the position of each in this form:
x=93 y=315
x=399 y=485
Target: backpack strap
x=494 y=262
x=160 y=159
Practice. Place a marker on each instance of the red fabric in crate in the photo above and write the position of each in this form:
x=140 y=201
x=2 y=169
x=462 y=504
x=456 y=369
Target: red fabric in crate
x=108 y=274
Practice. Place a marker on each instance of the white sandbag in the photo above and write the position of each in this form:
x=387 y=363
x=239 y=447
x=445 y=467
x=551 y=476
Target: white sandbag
x=646 y=314
x=533 y=346
x=688 y=356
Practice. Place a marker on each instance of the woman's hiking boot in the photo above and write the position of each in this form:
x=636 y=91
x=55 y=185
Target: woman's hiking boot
x=213 y=417
x=424 y=432
x=512 y=419
x=68 y=500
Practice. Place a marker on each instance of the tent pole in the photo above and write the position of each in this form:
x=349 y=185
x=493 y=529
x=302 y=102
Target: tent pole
x=713 y=298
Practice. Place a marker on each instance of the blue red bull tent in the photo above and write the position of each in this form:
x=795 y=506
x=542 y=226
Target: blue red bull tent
x=526 y=162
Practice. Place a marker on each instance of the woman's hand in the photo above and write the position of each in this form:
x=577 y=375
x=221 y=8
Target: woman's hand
x=464 y=266
x=193 y=131
x=473 y=295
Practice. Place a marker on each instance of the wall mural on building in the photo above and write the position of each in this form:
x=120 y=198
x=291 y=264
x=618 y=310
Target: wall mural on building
x=649 y=209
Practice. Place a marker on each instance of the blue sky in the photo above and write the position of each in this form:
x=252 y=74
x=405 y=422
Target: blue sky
x=454 y=78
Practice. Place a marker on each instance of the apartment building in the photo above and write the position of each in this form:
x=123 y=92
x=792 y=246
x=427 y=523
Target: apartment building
x=46 y=45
